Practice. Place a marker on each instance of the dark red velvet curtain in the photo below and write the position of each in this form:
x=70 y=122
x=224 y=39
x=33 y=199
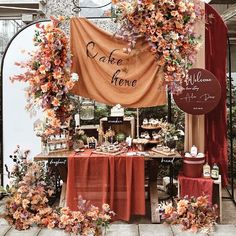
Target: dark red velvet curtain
x=216 y=121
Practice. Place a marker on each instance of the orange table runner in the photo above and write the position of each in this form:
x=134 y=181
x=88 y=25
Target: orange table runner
x=116 y=180
x=195 y=187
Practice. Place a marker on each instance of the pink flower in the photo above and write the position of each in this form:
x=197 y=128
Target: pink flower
x=45 y=87
x=64 y=219
x=65 y=210
x=42 y=69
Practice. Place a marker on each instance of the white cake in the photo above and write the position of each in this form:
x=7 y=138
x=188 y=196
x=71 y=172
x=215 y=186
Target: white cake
x=117 y=110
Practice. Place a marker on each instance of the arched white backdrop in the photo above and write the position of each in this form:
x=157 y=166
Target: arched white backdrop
x=17 y=123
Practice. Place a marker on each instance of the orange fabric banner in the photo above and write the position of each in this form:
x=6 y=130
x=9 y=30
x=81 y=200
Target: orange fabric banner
x=109 y=75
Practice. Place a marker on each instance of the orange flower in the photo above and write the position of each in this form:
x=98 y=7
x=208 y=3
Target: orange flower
x=182 y=203
x=49 y=37
x=48 y=132
x=61 y=18
x=16 y=215
x=51 y=225
x=170 y=68
x=174 y=13
x=166 y=53
x=64 y=219
x=106 y=207
x=169 y=209
x=48 y=27
x=159 y=17
x=182 y=7
x=153 y=49
x=202 y=201
x=153 y=38
x=178 y=25
x=65 y=210
x=147 y=2
x=54 y=122
x=57 y=74
x=42 y=69
x=55 y=102
x=50 y=113
x=69 y=85
x=78 y=215
x=44 y=88
x=25 y=203
x=143 y=29
x=57 y=62
x=161 y=61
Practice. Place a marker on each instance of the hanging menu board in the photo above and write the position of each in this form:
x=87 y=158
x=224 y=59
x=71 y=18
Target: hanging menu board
x=201 y=92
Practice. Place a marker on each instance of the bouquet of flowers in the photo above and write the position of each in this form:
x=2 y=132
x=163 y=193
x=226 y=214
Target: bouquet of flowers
x=192 y=214
x=169 y=133
x=168 y=26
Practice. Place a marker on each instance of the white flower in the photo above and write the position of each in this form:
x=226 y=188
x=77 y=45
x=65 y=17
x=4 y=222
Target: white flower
x=174 y=36
x=74 y=77
x=106 y=207
x=181 y=132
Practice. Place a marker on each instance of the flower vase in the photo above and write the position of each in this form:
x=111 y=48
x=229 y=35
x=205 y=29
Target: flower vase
x=106 y=143
x=99 y=231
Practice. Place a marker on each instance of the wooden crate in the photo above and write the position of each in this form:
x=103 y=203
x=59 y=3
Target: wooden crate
x=56 y=142
x=127 y=127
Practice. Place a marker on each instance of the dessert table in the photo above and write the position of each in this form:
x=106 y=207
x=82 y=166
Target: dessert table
x=114 y=179
x=118 y=180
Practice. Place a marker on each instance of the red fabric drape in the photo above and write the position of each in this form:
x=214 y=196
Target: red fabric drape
x=216 y=121
x=116 y=180
x=195 y=187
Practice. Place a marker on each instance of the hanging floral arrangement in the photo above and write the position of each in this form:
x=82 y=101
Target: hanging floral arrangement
x=168 y=26
x=48 y=75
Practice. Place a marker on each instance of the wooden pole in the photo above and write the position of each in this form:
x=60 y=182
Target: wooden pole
x=137 y=123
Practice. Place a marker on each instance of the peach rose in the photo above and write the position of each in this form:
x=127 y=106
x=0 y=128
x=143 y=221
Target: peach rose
x=55 y=102
x=42 y=69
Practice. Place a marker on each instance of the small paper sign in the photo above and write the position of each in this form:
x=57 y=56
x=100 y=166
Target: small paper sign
x=115 y=120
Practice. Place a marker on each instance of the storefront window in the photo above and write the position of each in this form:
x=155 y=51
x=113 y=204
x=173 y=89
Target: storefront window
x=95 y=10
x=8 y=28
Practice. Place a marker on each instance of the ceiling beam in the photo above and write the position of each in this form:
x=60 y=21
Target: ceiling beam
x=223 y=2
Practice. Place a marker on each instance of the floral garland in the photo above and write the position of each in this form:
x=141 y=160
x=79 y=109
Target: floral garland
x=195 y=214
x=168 y=26
x=48 y=75
x=28 y=202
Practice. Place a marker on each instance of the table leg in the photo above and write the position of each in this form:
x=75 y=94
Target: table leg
x=171 y=180
x=62 y=202
x=153 y=167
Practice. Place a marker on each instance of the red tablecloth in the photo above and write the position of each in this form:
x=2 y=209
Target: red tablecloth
x=116 y=180
x=195 y=187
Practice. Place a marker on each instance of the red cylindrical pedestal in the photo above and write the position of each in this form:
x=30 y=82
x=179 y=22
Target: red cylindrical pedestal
x=193 y=166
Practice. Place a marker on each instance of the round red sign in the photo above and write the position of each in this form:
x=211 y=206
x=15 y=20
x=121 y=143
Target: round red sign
x=201 y=92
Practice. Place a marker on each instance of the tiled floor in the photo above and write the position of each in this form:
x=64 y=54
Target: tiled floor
x=140 y=226
x=125 y=230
